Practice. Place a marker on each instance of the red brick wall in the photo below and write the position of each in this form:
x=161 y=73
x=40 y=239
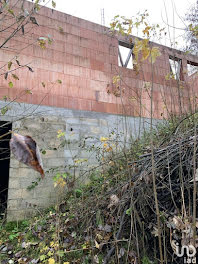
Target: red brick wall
x=85 y=58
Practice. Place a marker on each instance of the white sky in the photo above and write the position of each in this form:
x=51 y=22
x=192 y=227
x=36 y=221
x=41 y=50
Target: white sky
x=91 y=10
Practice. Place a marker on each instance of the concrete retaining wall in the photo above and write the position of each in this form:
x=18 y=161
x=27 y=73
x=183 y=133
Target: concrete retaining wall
x=42 y=123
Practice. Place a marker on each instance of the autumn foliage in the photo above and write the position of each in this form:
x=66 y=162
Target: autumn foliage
x=26 y=150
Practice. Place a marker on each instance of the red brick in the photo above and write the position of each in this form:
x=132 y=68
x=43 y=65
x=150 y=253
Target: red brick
x=60 y=101
x=73 y=91
x=3 y=92
x=45 y=99
x=86 y=94
x=65 y=102
x=84 y=105
x=84 y=72
x=98 y=106
x=97 y=65
x=85 y=59
x=84 y=62
x=73 y=103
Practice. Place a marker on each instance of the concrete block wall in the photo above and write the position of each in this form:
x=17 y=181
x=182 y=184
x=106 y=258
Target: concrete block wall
x=42 y=123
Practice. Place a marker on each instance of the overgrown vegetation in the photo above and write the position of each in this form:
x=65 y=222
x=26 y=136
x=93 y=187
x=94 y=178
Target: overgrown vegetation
x=112 y=219
x=192 y=30
x=140 y=202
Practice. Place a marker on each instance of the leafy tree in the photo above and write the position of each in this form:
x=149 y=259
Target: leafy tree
x=192 y=29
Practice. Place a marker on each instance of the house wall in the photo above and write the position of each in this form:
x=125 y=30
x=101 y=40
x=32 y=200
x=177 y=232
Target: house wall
x=84 y=56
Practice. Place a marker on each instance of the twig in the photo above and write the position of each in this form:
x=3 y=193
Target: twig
x=110 y=252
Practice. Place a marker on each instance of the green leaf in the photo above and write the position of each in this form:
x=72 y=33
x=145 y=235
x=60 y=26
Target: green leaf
x=28 y=91
x=128 y=211
x=53 y=4
x=64 y=175
x=60 y=30
x=59 y=81
x=9 y=65
x=42 y=257
x=60 y=253
x=10 y=84
x=5 y=98
x=4 y=110
x=15 y=76
x=99 y=219
x=78 y=193
x=11 y=12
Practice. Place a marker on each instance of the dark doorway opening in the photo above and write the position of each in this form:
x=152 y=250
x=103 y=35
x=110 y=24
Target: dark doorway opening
x=4 y=165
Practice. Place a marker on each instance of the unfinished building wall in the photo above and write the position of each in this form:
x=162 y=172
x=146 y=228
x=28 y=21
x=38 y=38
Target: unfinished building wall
x=84 y=57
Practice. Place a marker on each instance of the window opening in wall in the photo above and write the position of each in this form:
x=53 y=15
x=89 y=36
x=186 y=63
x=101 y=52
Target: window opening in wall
x=192 y=68
x=176 y=68
x=4 y=165
x=125 y=55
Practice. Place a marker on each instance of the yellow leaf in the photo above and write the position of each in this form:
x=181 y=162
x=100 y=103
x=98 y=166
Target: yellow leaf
x=45 y=248
x=97 y=245
x=146 y=30
x=52 y=243
x=60 y=133
x=80 y=161
x=167 y=76
x=50 y=254
x=9 y=65
x=116 y=79
x=137 y=48
x=102 y=139
x=60 y=182
x=132 y=98
x=67 y=262
x=105 y=145
x=51 y=261
x=109 y=149
x=154 y=54
x=145 y=53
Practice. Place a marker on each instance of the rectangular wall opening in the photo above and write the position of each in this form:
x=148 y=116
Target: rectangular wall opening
x=176 y=68
x=125 y=55
x=5 y=127
x=192 y=68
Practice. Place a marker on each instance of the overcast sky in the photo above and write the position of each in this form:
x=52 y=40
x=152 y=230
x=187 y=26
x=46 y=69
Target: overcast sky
x=91 y=10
